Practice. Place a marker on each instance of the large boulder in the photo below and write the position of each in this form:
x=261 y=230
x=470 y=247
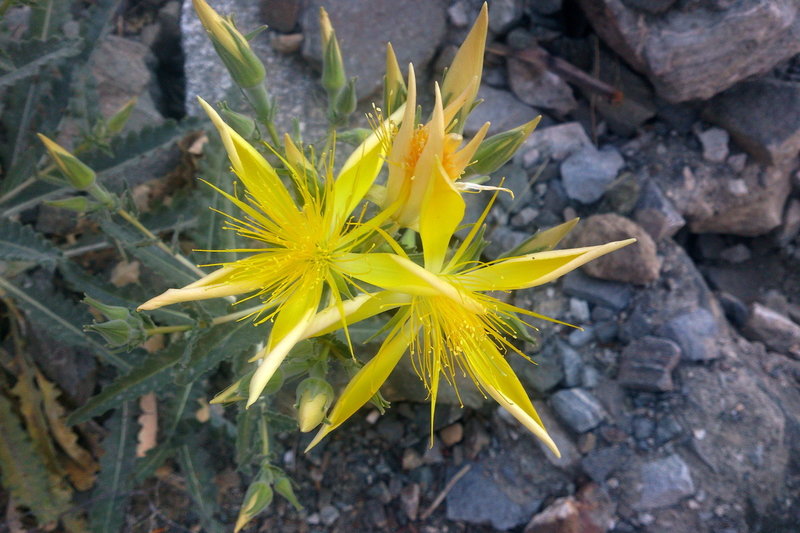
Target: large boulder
x=698 y=49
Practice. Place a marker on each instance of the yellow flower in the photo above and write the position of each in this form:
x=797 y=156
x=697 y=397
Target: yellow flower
x=448 y=323
x=303 y=244
x=245 y=67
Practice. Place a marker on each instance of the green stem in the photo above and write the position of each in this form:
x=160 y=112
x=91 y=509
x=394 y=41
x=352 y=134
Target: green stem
x=224 y=319
x=133 y=221
x=261 y=102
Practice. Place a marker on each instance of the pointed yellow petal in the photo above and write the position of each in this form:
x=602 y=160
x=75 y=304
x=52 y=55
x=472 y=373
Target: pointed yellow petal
x=535 y=269
x=255 y=172
x=366 y=382
x=356 y=309
x=468 y=62
x=360 y=170
x=396 y=186
x=498 y=379
x=442 y=212
x=213 y=285
x=465 y=156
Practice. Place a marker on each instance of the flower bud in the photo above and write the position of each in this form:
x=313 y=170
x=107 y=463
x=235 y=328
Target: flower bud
x=314 y=397
x=333 y=75
x=123 y=327
x=241 y=124
x=283 y=486
x=117 y=121
x=495 y=151
x=79 y=175
x=344 y=103
x=258 y=497
x=394 y=85
x=245 y=67
x=78 y=204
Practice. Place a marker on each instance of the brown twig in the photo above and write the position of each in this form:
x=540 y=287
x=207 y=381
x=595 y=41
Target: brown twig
x=447 y=488
x=539 y=57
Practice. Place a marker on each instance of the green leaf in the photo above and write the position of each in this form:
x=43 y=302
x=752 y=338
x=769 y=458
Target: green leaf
x=62 y=319
x=24 y=474
x=217 y=344
x=30 y=57
x=47 y=16
x=112 y=492
x=22 y=243
x=194 y=462
x=150 y=375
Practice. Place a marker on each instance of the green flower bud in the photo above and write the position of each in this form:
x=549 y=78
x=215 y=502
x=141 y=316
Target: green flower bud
x=495 y=151
x=344 y=103
x=333 y=75
x=314 y=397
x=79 y=175
x=283 y=486
x=257 y=499
x=232 y=47
x=242 y=124
x=115 y=332
x=78 y=204
x=123 y=328
x=112 y=312
x=118 y=120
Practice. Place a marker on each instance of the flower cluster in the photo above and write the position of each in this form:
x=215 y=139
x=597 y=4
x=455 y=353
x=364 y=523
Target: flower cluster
x=330 y=254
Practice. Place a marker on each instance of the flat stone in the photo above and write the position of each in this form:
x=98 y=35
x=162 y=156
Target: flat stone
x=540 y=88
x=738 y=253
x=415 y=29
x=715 y=144
x=665 y=482
x=695 y=332
x=501 y=108
x=561 y=516
x=647 y=364
x=775 y=330
x=578 y=408
x=554 y=142
x=504 y=14
x=637 y=263
x=588 y=172
x=791 y=223
x=573 y=364
x=570 y=456
x=409 y=500
x=545 y=374
x=611 y=294
x=762 y=116
x=653 y=7
x=691 y=52
x=599 y=464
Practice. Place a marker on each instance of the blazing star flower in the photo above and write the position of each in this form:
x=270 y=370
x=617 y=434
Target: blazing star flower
x=447 y=322
x=303 y=244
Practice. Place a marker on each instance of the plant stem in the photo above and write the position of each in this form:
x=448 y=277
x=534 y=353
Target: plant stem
x=224 y=319
x=133 y=221
x=261 y=102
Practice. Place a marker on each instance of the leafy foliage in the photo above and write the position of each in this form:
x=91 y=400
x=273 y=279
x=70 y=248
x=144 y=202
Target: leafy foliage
x=21 y=243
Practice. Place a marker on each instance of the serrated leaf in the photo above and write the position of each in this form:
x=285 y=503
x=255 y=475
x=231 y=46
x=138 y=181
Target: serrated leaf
x=149 y=375
x=23 y=474
x=194 y=463
x=128 y=149
x=216 y=345
x=112 y=492
x=30 y=57
x=62 y=320
x=22 y=243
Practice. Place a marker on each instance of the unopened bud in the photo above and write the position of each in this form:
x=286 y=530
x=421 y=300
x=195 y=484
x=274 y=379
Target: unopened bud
x=394 y=85
x=78 y=204
x=123 y=328
x=118 y=120
x=345 y=102
x=245 y=67
x=242 y=124
x=79 y=175
x=333 y=74
x=495 y=151
x=258 y=497
x=283 y=486
x=314 y=397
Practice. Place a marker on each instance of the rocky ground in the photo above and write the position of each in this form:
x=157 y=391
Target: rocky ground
x=676 y=406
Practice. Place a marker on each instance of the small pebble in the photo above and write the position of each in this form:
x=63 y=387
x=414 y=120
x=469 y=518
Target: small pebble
x=452 y=434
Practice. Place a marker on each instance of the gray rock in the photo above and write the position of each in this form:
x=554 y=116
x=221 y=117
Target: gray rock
x=791 y=223
x=665 y=482
x=291 y=82
x=570 y=456
x=762 y=116
x=504 y=239
x=715 y=144
x=414 y=28
x=501 y=108
x=581 y=337
x=656 y=213
x=738 y=253
x=545 y=7
x=520 y=182
x=545 y=374
x=588 y=172
x=637 y=263
x=554 y=142
x=329 y=514
x=504 y=14
x=578 y=409
x=540 y=88
x=647 y=364
x=650 y=6
x=696 y=52
x=610 y=294
x=606 y=331
x=457 y=13
x=695 y=332
x=775 y=330
x=281 y=15
x=600 y=464
x=572 y=363
x=579 y=309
